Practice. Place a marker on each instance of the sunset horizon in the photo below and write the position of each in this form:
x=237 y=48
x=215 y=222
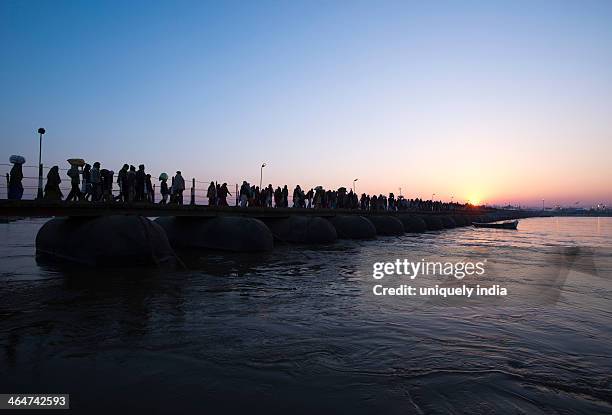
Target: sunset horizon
x=447 y=99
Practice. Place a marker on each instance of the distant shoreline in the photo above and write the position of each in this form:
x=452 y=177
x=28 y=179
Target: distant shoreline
x=585 y=214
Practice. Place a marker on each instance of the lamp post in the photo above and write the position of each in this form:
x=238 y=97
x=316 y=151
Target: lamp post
x=39 y=195
x=261 y=175
x=354 y=191
x=432 y=199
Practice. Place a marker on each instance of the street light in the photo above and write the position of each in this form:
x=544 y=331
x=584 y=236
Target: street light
x=261 y=175
x=354 y=191
x=41 y=131
x=432 y=199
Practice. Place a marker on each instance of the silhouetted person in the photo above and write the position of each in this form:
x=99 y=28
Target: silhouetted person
x=309 y=196
x=285 y=202
x=365 y=201
x=52 y=189
x=350 y=200
x=96 y=182
x=256 y=196
x=107 y=184
x=318 y=197
x=148 y=189
x=15 y=188
x=122 y=183
x=374 y=203
x=140 y=183
x=211 y=194
x=269 y=195
x=298 y=197
x=391 y=201
x=341 y=195
x=75 y=182
x=163 y=189
x=178 y=186
x=87 y=181
x=223 y=192
x=245 y=191
x=252 y=196
x=131 y=184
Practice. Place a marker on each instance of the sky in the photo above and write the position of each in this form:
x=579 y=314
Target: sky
x=486 y=101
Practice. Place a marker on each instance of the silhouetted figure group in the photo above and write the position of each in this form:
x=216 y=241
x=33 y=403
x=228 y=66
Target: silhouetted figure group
x=319 y=198
x=217 y=194
x=253 y=196
x=137 y=186
x=134 y=185
x=95 y=184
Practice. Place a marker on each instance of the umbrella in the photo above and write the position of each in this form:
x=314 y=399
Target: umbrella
x=17 y=159
x=76 y=162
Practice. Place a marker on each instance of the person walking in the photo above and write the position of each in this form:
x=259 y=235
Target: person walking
x=309 y=196
x=163 y=188
x=52 y=189
x=297 y=196
x=131 y=184
x=96 y=182
x=122 y=183
x=107 y=185
x=178 y=186
x=245 y=190
x=285 y=193
x=15 y=187
x=223 y=193
x=87 y=181
x=211 y=194
x=269 y=194
x=75 y=182
x=139 y=184
x=148 y=188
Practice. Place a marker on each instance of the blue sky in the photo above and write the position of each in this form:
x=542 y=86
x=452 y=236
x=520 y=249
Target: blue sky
x=498 y=101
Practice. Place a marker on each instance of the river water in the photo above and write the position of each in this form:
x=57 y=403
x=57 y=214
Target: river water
x=299 y=329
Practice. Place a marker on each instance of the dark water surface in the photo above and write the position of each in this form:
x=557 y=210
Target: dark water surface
x=299 y=329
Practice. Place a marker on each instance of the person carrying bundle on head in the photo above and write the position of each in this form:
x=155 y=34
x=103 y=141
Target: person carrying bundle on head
x=15 y=188
x=163 y=188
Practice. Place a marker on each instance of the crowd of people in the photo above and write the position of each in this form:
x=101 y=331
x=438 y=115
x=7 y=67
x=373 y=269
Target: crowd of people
x=319 y=198
x=95 y=184
x=217 y=194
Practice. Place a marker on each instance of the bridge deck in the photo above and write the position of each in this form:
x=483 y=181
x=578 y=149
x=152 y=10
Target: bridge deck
x=35 y=208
